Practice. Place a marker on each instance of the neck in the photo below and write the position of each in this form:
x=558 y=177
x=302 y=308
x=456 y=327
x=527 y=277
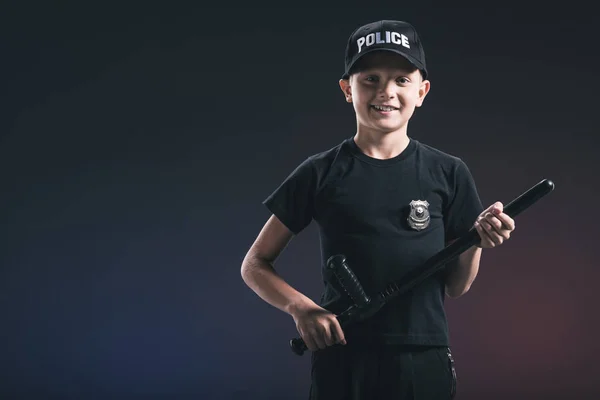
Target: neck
x=382 y=145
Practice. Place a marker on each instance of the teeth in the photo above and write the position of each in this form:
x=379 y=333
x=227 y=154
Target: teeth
x=382 y=108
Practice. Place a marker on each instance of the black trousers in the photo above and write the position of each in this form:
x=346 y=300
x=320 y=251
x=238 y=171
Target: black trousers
x=380 y=372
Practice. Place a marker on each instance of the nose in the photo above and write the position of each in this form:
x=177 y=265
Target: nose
x=388 y=89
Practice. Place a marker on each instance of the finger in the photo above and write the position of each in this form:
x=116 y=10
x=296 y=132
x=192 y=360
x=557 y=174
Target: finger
x=328 y=337
x=491 y=231
x=493 y=235
x=319 y=339
x=498 y=226
x=485 y=241
x=497 y=208
x=495 y=223
x=336 y=330
x=310 y=343
x=507 y=221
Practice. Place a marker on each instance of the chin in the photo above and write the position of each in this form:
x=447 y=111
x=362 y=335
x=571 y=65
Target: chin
x=388 y=127
x=385 y=125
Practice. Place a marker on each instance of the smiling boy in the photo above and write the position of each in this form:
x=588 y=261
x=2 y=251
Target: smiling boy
x=387 y=202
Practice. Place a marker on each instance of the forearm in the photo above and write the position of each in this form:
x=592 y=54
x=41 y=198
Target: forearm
x=463 y=272
x=261 y=277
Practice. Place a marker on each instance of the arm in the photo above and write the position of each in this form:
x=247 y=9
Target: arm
x=463 y=272
x=494 y=228
x=318 y=327
x=260 y=275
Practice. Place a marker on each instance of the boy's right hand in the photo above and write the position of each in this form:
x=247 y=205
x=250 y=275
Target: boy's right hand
x=318 y=327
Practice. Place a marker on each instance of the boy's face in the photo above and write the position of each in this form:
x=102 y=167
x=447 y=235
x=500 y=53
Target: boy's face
x=385 y=79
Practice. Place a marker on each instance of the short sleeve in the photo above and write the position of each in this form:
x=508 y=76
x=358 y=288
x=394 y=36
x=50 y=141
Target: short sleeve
x=464 y=206
x=293 y=201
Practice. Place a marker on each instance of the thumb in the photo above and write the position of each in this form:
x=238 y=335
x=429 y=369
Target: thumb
x=497 y=208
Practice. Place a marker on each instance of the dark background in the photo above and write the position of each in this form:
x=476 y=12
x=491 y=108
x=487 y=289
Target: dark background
x=138 y=141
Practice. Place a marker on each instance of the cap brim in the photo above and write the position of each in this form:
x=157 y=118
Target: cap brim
x=410 y=59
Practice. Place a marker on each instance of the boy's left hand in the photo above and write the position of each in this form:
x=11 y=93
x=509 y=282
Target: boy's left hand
x=493 y=226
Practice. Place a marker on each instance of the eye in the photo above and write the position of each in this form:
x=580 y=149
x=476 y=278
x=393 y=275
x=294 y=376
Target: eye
x=371 y=78
x=403 y=81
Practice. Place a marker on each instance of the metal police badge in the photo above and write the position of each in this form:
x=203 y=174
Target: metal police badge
x=419 y=218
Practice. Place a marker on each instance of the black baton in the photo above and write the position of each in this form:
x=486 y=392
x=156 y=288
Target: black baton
x=364 y=306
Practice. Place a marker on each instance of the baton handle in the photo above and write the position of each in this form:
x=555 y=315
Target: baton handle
x=347 y=280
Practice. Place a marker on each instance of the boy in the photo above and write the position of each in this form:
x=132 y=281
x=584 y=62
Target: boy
x=388 y=203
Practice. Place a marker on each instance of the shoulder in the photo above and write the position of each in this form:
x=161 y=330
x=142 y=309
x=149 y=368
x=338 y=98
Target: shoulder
x=433 y=154
x=440 y=164
x=319 y=164
x=312 y=170
x=326 y=157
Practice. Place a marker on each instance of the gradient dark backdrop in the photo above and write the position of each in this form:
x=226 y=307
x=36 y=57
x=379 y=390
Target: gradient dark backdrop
x=138 y=143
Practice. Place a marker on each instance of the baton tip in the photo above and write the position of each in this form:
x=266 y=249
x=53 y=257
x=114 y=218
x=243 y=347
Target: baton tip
x=549 y=183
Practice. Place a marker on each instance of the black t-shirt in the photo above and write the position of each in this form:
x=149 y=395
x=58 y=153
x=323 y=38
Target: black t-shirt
x=362 y=206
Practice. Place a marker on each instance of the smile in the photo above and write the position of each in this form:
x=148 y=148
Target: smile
x=384 y=108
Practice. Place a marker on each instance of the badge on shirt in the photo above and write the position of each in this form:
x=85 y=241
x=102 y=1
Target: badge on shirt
x=419 y=218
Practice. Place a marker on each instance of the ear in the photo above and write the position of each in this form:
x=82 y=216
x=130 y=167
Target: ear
x=346 y=89
x=423 y=90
